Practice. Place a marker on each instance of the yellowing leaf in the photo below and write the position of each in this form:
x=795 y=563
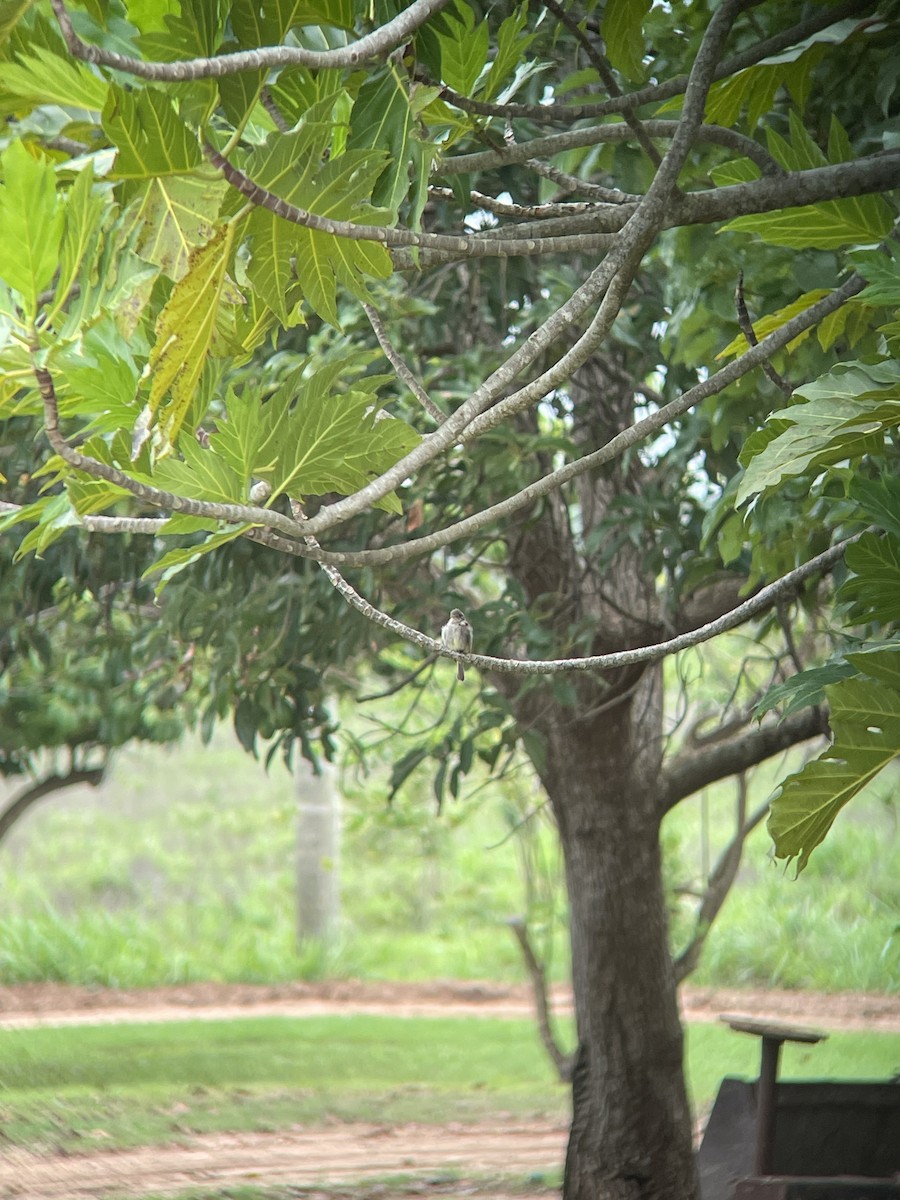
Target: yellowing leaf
x=184 y=332
x=766 y=325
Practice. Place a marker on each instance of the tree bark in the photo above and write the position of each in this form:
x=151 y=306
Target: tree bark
x=631 y=1130
x=631 y=1127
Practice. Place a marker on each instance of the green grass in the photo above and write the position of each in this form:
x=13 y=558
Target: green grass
x=83 y=1087
x=181 y=868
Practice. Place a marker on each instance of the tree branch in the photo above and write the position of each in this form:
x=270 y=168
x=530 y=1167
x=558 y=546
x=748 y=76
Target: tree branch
x=690 y=772
x=29 y=795
x=401 y=370
x=373 y=45
x=576 y=139
x=457 y=247
x=719 y=885
x=563 y=1062
x=601 y=66
x=611 y=280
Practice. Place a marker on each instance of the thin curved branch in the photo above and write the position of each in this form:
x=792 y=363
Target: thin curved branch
x=720 y=882
x=374 y=45
x=564 y=1063
x=522 y=212
x=601 y=66
x=24 y=799
x=401 y=370
x=764 y=599
x=462 y=247
x=690 y=772
x=746 y=327
x=576 y=139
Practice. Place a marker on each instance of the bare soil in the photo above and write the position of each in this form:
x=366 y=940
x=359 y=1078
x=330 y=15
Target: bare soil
x=338 y=1154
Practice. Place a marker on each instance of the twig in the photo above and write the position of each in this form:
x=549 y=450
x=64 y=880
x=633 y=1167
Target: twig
x=746 y=327
x=603 y=70
x=564 y=1063
x=400 y=368
x=721 y=879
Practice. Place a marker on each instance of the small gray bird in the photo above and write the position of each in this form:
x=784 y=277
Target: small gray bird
x=457 y=635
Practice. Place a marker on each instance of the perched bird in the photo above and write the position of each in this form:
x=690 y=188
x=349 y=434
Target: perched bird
x=457 y=635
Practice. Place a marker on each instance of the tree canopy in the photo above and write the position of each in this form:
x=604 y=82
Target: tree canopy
x=580 y=317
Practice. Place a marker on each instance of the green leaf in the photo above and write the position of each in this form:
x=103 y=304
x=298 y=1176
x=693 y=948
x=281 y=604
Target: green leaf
x=511 y=47
x=150 y=136
x=176 y=560
x=881 y=662
x=101 y=372
x=881 y=268
x=314 y=441
x=464 y=47
x=200 y=475
x=804 y=689
x=43 y=77
x=831 y=430
x=271 y=269
x=873 y=591
x=185 y=330
x=623 y=34
x=855 y=221
x=865 y=716
x=736 y=170
x=85 y=211
x=820 y=226
x=281 y=250
x=879 y=500
x=176 y=214
x=11 y=12
x=31 y=218
x=195 y=32
x=381 y=120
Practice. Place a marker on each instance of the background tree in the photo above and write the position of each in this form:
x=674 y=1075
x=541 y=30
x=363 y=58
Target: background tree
x=185 y=260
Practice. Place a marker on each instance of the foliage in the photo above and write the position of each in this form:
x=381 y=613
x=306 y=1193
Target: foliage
x=844 y=431
x=234 y=204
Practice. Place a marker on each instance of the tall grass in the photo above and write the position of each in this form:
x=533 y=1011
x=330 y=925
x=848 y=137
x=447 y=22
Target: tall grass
x=181 y=868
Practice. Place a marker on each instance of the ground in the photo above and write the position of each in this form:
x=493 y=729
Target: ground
x=338 y=1153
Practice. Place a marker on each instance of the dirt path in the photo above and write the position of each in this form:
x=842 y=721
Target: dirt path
x=336 y=1154
x=332 y=1154
x=28 y=1005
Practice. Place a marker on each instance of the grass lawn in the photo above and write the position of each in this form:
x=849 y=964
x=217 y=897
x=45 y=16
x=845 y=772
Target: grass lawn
x=84 y=1087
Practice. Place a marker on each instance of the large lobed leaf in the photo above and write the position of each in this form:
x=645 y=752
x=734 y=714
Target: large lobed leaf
x=846 y=414
x=31 y=219
x=865 y=716
x=283 y=253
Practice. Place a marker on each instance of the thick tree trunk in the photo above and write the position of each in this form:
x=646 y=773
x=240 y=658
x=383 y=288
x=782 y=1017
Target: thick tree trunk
x=601 y=769
x=631 y=1127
